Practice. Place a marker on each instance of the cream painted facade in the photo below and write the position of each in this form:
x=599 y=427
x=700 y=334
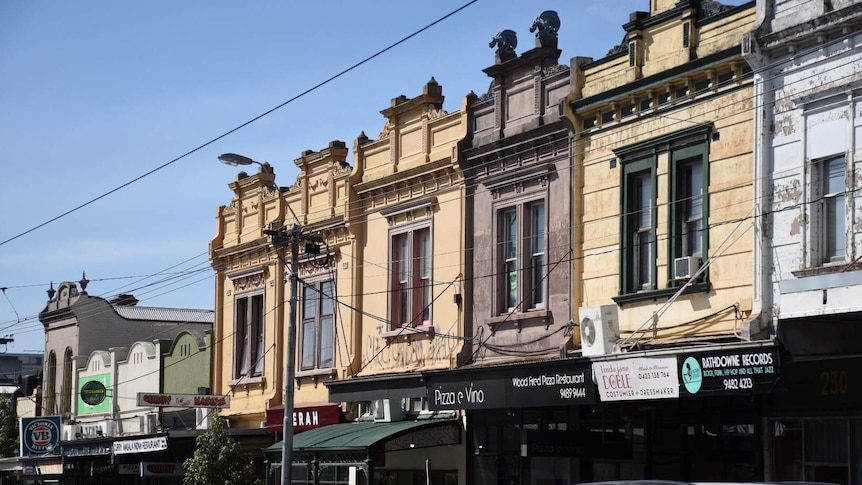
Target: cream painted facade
x=410 y=189
x=252 y=286
x=664 y=175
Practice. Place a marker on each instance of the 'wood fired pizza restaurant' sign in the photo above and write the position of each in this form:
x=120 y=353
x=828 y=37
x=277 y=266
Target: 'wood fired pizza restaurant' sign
x=557 y=383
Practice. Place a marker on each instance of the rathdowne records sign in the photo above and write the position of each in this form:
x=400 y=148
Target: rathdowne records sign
x=742 y=371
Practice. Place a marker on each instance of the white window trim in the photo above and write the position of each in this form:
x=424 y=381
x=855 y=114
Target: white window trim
x=394 y=231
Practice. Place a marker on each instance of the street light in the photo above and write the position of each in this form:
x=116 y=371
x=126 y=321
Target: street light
x=281 y=238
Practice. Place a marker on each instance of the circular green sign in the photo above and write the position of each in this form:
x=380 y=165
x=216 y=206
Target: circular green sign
x=692 y=375
x=93 y=393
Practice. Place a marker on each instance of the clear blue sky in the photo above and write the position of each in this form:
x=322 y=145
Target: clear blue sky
x=95 y=94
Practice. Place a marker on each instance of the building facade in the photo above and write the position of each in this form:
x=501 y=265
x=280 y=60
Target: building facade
x=806 y=60
x=519 y=204
x=104 y=435
x=252 y=255
x=77 y=324
x=410 y=213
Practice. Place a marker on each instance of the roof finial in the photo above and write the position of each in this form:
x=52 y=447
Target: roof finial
x=84 y=282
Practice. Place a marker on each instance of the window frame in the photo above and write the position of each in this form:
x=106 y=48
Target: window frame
x=256 y=348
x=821 y=198
x=316 y=285
x=417 y=282
x=525 y=296
x=681 y=158
x=643 y=164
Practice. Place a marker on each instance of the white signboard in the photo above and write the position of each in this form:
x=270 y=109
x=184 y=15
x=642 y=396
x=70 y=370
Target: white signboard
x=145 y=445
x=153 y=399
x=637 y=378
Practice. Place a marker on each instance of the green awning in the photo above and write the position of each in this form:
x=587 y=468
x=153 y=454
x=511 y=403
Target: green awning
x=355 y=436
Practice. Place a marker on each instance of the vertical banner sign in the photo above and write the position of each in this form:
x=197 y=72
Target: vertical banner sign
x=39 y=436
x=637 y=378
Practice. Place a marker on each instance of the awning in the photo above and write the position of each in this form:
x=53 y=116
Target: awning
x=369 y=388
x=355 y=436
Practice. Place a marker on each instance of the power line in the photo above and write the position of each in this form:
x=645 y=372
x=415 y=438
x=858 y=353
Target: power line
x=243 y=125
x=764 y=68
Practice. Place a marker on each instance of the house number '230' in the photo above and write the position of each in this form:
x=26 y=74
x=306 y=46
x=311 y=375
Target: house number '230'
x=833 y=383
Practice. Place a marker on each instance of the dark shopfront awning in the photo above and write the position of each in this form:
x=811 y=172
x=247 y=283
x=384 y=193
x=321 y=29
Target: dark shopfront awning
x=355 y=436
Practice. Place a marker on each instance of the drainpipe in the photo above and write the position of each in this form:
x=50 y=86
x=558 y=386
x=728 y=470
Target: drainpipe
x=761 y=317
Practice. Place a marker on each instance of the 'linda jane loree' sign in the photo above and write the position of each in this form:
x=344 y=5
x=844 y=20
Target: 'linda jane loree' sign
x=637 y=378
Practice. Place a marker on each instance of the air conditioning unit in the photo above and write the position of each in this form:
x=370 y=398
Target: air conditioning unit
x=71 y=432
x=109 y=428
x=203 y=417
x=148 y=423
x=600 y=329
x=685 y=267
x=387 y=410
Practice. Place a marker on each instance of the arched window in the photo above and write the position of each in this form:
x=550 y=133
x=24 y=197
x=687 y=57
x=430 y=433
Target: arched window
x=67 y=382
x=50 y=396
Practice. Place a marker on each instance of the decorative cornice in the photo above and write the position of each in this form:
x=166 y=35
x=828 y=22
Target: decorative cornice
x=404 y=175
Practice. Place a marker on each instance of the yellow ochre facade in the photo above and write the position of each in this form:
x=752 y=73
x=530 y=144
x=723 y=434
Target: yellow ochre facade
x=663 y=139
x=411 y=199
x=253 y=293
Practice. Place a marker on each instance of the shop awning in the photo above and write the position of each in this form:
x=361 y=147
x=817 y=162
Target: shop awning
x=369 y=388
x=355 y=436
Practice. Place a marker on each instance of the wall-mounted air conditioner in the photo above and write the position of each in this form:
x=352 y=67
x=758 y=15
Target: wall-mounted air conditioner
x=71 y=432
x=685 y=267
x=600 y=329
x=387 y=410
x=148 y=423
x=203 y=417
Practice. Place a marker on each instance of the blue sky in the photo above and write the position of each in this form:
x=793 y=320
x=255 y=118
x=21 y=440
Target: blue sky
x=95 y=94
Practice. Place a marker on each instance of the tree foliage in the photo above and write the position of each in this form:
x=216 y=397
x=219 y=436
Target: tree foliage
x=218 y=459
x=8 y=426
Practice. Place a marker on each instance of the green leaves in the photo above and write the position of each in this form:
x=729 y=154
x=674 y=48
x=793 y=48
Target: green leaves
x=219 y=459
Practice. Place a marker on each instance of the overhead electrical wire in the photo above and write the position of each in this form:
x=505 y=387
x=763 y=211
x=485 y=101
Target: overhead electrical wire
x=639 y=136
x=243 y=125
x=705 y=194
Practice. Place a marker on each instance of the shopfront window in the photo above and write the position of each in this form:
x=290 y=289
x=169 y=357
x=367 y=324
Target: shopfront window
x=817 y=450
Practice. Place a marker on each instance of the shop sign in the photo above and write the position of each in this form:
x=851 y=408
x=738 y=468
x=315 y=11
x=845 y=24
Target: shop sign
x=728 y=372
x=152 y=399
x=145 y=445
x=304 y=418
x=90 y=449
x=155 y=469
x=550 y=385
x=49 y=468
x=129 y=469
x=828 y=384
x=39 y=436
x=637 y=378
x=93 y=393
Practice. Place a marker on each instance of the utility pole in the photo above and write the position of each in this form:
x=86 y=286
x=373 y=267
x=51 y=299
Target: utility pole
x=292 y=238
x=279 y=239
